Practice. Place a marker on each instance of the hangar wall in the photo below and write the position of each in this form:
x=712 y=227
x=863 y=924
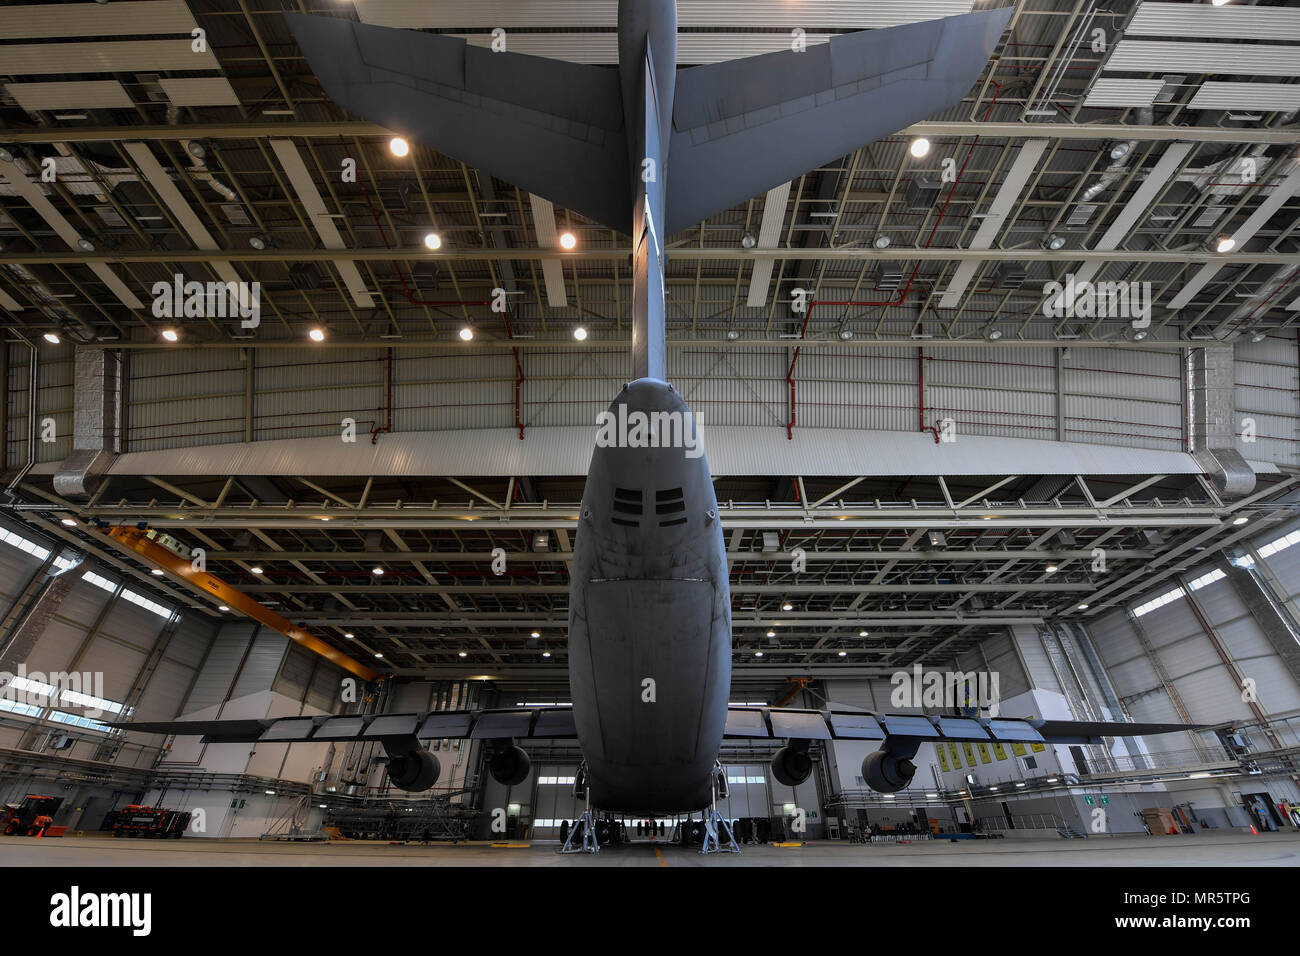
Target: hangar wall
x=1115 y=396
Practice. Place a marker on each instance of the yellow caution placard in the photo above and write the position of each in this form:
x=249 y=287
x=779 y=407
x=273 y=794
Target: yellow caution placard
x=985 y=756
x=1039 y=748
x=942 y=751
x=955 y=753
x=1000 y=751
x=1019 y=750
x=970 y=755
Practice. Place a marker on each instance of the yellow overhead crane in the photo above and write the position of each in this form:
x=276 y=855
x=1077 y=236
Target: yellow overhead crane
x=139 y=541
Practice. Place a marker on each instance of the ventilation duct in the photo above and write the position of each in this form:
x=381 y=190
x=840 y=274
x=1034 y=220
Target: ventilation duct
x=95 y=420
x=1212 y=391
x=1117 y=167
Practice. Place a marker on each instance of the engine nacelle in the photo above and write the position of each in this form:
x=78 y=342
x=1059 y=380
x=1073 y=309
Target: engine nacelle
x=510 y=766
x=887 y=773
x=415 y=770
x=791 y=766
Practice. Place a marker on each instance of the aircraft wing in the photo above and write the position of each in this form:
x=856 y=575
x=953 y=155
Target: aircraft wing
x=743 y=126
x=787 y=723
x=538 y=723
x=547 y=126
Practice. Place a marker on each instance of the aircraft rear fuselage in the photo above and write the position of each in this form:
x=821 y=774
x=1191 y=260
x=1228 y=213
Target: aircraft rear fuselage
x=650 y=613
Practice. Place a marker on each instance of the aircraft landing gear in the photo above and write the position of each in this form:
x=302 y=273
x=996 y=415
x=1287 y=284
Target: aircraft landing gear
x=582 y=837
x=716 y=829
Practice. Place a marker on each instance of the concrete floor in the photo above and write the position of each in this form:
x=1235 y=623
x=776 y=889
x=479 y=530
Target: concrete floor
x=1223 y=848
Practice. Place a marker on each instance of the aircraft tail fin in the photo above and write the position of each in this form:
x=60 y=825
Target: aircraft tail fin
x=547 y=126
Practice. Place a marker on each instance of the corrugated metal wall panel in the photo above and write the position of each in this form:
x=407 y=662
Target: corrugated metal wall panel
x=191 y=640
x=1122 y=397
x=219 y=669
x=295 y=673
x=1035 y=658
x=165 y=692
x=325 y=686
x=54 y=401
x=179 y=399
x=1267 y=386
x=263 y=663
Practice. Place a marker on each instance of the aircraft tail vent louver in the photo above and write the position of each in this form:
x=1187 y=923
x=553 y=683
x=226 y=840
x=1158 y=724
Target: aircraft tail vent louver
x=627 y=507
x=669 y=503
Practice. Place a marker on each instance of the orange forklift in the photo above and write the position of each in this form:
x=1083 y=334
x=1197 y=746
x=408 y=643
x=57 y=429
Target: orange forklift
x=33 y=817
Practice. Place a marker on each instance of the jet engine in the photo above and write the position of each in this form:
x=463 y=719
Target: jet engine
x=510 y=765
x=887 y=772
x=415 y=770
x=791 y=766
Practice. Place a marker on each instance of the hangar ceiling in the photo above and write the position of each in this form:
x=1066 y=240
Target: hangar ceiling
x=1130 y=160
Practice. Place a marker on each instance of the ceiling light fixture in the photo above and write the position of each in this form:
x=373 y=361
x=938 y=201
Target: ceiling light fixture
x=920 y=147
x=846 y=334
x=1240 y=521
x=881 y=242
x=349 y=635
x=993 y=334
x=862 y=633
x=398 y=146
x=771 y=633
x=6 y=156
x=316 y=335
x=787 y=606
x=747 y=241
x=1082 y=607
x=732 y=335
x=580 y=334
x=1051 y=569
x=1259 y=337
x=1054 y=242
x=568 y=241
x=377 y=572
x=222 y=607
x=258 y=242
x=255 y=569
x=171 y=335
x=433 y=242
x=1225 y=244
x=535 y=634
x=69 y=522
x=157 y=572
x=85 y=245
x=51 y=337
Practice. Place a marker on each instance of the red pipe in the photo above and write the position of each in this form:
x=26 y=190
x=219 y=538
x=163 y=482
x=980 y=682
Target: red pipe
x=920 y=393
x=902 y=297
x=789 y=375
x=519 y=382
x=377 y=429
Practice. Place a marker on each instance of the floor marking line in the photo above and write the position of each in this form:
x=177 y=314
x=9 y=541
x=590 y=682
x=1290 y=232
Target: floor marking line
x=662 y=861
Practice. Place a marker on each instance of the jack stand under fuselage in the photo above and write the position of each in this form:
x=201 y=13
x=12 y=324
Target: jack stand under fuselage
x=717 y=831
x=582 y=837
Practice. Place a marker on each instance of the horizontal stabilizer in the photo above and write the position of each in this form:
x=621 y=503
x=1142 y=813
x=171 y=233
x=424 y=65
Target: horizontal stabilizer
x=547 y=126
x=741 y=127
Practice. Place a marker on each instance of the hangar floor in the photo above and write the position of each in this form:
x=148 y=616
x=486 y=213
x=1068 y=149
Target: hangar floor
x=1208 y=849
